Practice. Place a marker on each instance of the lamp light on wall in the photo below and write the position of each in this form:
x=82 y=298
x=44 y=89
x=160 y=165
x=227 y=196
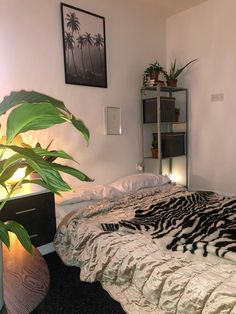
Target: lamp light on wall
x=173 y=177
x=20 y=172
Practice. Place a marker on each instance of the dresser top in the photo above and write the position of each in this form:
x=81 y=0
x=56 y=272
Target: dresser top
x=24 y=190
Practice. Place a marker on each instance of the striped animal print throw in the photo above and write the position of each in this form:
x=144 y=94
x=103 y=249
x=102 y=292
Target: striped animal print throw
x=202 y=221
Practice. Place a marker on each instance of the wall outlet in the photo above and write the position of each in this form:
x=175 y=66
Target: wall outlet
x=217 y=97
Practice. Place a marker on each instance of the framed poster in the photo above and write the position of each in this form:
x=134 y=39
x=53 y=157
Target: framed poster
x=84 y=46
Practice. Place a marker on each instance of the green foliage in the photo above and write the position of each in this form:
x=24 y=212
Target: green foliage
x=34 y=111
x=153 y=67
x=151 y=72
x=174 y=72
x=35 y=98
x=20 y=232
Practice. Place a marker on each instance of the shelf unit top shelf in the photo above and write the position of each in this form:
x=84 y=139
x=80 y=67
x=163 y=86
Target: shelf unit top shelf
x=164 y=89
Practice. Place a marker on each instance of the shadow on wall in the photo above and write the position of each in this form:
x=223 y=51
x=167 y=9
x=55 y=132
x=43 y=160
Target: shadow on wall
x=199 y=183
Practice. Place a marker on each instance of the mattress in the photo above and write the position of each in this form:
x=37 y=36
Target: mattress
x=139 y=248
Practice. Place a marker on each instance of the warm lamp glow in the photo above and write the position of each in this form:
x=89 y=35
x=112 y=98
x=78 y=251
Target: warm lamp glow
x=173 y=177
x=16 y=141
x=17 y=176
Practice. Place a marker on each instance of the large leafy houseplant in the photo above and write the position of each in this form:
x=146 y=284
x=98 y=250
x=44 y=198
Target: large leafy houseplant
x=34 y=111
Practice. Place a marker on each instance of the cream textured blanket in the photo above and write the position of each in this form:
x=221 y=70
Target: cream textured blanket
x=138 y=270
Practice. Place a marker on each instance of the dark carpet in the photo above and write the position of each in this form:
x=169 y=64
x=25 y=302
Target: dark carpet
x=68 y=295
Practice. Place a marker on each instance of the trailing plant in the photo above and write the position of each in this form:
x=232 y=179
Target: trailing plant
x=153 y=67
x=152 y=72
x=34 y=111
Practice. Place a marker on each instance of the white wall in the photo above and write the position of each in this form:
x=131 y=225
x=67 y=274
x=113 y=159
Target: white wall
x=207 y=32
x=31 y=58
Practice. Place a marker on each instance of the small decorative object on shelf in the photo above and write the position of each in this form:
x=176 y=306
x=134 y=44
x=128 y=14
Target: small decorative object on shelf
x=151 y=75
x=177 y=113
x=174 y=72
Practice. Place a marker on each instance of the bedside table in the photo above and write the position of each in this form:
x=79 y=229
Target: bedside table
x=34 y=208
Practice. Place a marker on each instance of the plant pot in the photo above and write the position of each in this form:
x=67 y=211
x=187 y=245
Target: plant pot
x=148 y=81
x=172 y=83
x=154 y=76
x=177 y=112
x=154 y=152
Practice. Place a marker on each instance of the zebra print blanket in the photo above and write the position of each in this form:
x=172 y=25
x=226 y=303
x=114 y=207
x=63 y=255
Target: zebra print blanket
x=201 y=221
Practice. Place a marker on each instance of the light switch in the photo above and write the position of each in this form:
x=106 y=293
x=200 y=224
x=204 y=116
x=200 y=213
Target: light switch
x=217 y=97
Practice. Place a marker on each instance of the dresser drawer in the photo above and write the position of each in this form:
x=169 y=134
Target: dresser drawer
x=36 y=213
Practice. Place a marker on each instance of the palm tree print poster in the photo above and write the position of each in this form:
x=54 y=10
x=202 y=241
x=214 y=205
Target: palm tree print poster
x=84 y=47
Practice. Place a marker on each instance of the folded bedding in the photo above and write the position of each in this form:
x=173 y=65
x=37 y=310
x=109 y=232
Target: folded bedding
x=159 y=250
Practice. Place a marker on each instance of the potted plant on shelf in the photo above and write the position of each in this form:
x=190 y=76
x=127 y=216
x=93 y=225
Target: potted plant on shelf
x=151 y=74
x=33 y=111
x=174 y=72
x=154 y=146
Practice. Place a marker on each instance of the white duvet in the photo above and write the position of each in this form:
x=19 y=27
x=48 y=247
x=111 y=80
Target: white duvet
x=140 y=272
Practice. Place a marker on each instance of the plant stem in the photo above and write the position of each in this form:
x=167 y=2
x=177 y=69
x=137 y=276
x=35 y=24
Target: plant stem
x=9 y=193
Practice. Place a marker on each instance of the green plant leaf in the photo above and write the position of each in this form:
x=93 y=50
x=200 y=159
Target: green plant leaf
x=10 y=170
x=175 y=72
x=55 y=180
x=49 y=174
x=21 y=234
x=2 y=163
x=54 y=153
x=181 y=69
x=4 y=235
x=9 y=166
x=19 y=97
x=72 y=171
x=32 y=117
x=33 y=160
x=33 y=98
x=45 y=169
x=79 y=125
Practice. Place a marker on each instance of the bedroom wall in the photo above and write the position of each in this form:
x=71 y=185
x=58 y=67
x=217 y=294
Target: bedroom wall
x=31 y=58
x=207 y=32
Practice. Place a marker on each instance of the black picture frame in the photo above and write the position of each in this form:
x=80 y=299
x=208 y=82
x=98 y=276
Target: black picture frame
x=84 y=45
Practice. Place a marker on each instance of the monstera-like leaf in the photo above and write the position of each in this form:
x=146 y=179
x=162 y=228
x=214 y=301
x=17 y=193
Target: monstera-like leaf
x=31 y=110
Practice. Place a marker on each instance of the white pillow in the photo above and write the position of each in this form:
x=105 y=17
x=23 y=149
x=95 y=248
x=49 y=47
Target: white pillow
x=139 y=181
x=87 y=193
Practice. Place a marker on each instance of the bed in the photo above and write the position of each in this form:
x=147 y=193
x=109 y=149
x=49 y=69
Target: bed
x=156 y=248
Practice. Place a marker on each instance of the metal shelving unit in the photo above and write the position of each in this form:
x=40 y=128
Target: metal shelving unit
x=174 y=163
